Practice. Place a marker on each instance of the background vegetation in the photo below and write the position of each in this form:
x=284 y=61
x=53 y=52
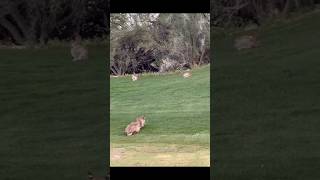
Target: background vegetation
x=158 y=42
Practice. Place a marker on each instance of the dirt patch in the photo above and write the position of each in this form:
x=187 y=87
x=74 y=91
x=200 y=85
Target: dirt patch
x=159 y=155
x=117 y=153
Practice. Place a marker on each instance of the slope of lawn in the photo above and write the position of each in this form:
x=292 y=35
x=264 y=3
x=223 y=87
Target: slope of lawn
x=52 y=114
x=177 y=111
x=266 y=118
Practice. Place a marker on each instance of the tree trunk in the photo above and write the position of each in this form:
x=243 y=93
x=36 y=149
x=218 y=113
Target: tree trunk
x=44 y=38
x=201 y=57
x=44 y=34
x=31 y=37
x=286 y=8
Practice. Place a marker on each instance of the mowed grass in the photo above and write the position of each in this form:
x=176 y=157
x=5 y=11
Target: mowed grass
x=177 y=111
x=266 y=115
x=53 y=114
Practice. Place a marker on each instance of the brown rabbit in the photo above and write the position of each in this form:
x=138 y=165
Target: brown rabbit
x=246 y=42
x=141 y=120
x=78 y=51
x=135 y=127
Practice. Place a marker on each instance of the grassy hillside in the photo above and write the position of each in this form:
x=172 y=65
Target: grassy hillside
x=177 y=112
x=266 y=104
x=52 y=114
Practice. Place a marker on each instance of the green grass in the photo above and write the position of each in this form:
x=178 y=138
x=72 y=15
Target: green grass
x=52 y=114
x=266 y=114
x=177 y=112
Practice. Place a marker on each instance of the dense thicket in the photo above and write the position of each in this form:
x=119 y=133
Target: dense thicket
x=158 y=42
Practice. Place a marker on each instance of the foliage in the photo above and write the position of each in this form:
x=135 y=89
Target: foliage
x=144 y=42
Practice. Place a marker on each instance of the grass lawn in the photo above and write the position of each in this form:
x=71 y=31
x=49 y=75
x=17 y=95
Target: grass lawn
x=52 y=114
x=266 y=116
x=177 y=111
